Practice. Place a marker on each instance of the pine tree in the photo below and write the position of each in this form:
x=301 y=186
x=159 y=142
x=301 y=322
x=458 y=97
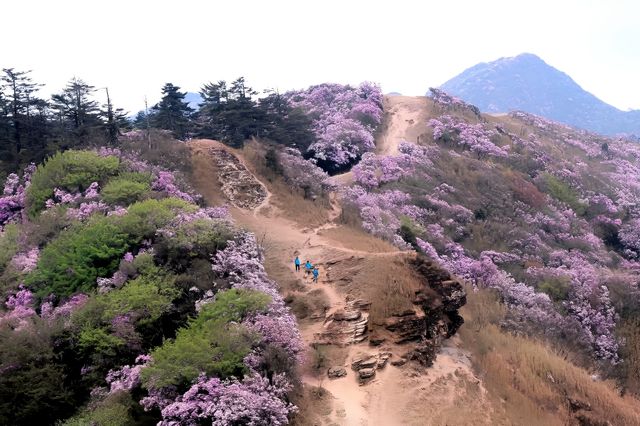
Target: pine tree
x=229 y=113
x=172 y=112
x=18 y=88
x=115 y=120
x=77 y=113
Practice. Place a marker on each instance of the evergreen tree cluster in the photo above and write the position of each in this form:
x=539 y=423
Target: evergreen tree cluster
x=32 y=127
x=231 y=113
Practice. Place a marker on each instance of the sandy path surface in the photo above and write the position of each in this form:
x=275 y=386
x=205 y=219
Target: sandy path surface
x=405 y=119
x=398 y=395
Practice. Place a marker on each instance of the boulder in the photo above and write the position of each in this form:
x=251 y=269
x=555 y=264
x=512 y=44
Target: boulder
x=376 y=340
x=364 y=361
x=346 y=315
x=383 y=357
x=398 y=362
x=366 y=374
x=336 y=372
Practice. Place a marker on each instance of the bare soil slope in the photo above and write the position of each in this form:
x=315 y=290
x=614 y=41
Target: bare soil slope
x=398 y=395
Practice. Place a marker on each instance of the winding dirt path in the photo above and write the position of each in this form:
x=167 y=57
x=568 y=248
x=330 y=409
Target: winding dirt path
x=397 y=396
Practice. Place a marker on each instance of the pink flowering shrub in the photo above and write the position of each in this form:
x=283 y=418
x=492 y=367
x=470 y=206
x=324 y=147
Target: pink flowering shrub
x=474 y=137
x=127 y=377
x=344 y=120
x=241 y=262
x=253 y=401
x=85 y=210
x=27 y=261
x=166 y=182
x=379 y=211
x=446 y=101
x=20 y=309
x=12 y=202
x=65 y=309
x=303 y=174
x=373 y=170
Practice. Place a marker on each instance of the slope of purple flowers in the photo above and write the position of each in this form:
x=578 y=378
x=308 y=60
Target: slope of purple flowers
x=107 y=334
x=544 y=214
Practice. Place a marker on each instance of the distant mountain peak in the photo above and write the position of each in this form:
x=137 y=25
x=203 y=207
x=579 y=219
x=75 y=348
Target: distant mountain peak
x=526 y=82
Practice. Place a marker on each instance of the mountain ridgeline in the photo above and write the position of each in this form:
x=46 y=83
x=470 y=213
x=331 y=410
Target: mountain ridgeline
x=527 y=83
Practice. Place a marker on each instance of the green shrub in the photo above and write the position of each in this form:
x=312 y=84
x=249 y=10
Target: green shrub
x=146 y=298
x=145 y=178
x=199 y=239
x=114 y=410
x=8 y=244
x=96 y=343
x=123 y=191
x=71 y=171
x=214 y=342
x=144 y=218
x=409 y=231
x=556 y=288
x=73 y=261
x=562 y=192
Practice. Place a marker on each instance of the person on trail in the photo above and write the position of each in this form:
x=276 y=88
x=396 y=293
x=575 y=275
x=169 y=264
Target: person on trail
x=307 y=268
x=316 y=272
x=297 y=263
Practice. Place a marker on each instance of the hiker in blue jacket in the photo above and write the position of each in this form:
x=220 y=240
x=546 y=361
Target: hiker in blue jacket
x=307 y=268
x=297 y=263
x=316 y=272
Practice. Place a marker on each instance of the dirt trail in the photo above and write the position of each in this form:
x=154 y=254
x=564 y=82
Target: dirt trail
x=397 y=395
x=405 y=118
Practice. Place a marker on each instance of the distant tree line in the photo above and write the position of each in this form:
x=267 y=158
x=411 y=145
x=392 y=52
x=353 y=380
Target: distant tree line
x=231 y=113
x=32 y=127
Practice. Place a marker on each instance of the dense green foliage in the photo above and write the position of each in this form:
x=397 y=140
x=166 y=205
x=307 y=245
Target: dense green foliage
x=197 y=239
x=172 y=112
x=71 y=171
x=118 y=409
x=32 y=383
x=33 y=127
x=73 y=261
x=562 y=192
x=8 y=244
x=231 y=113
x=120 y=323
x=123 y=191
x=214 y=342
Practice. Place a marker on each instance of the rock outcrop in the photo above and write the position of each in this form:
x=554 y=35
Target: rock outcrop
x=241 y=188
x=365 y=365
x=436 y=315
x=346 y=326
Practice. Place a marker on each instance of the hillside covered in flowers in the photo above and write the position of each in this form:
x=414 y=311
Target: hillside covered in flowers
x=124 y=301
x=544 y=214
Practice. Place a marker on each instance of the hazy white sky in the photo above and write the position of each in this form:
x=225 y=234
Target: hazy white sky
x=136 y=46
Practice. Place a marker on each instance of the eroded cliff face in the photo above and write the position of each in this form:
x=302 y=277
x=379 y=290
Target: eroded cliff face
x=408 y=306
x=435 y=316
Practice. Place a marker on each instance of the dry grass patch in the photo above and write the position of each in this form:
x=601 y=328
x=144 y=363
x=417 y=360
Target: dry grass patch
x=388 y=282
x=356 y=239
x=305 y=305
x=314 y=404
x=533 y=382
